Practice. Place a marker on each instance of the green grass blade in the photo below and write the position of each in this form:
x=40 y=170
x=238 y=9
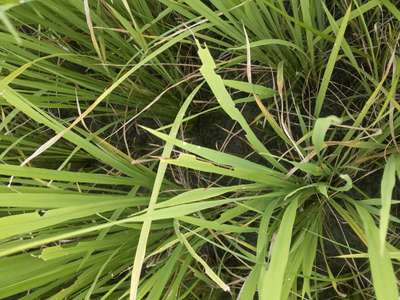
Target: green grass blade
x=144 y=234
x=320 y=129
x=214 y=277
x=224 y=99
x=383 y=276
x=387 y=186
x=331 y=64
x=274 y=277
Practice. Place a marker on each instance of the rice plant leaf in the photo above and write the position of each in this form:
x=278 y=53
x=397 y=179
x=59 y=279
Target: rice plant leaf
x=30 y=172
x=383 y=276
x=91 y=30
x=214 y=277
x=145 y=231
x=347 y=186
x=214 y=155
x=345 y=46
x=195 y=195
x=387 y=185
x=322 y=189
x=101 y=270
x=397 y=158
x=17 y=100
x=331 y=64
x=349 y=218
x=392 y=8
x=362 y=9
x=57 y=200
x=120 y=80
x=6 y=21
x=273 y=42
x=186 y=209
x=216 y=84
x=224 y=163
x=308 y=20
x=250 y=88
x=392 y=254
x=204 y=10
x=321 y=127
x=55 y=252
x=164 y=274
x=310 y=243
x=309 y=168
x=250 y=285
x=274 y=277
x=33 y=221
x=190 y=161
x=202 y=223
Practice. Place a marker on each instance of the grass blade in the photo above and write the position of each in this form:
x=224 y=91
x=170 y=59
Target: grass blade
x=387 y=186
x=331 y=64
x=274 y=277
x=383 y=276
x=144 y=234
x=320 y=129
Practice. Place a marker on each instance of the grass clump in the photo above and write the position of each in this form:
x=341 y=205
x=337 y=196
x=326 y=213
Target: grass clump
x=199 y=149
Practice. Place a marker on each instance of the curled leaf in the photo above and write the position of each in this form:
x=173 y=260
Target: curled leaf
x=320 y=129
